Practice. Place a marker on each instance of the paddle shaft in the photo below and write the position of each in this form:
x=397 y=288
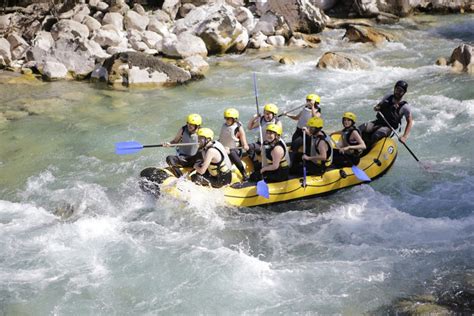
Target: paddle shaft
x=398 y=136
x=262 y=147
x=294 y=109
x=170 y=145
x=304 y=161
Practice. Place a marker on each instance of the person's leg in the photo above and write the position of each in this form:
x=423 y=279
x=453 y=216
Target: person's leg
x=200 y=179
x=380 y=133
x=276 y=175
x=235 y=159
x=175 y=163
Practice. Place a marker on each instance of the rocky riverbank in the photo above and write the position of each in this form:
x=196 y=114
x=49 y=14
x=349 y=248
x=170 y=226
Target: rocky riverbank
x=124 y=44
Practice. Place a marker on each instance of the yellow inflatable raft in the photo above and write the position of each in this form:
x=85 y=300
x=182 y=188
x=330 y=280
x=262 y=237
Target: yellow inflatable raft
x=375 y=163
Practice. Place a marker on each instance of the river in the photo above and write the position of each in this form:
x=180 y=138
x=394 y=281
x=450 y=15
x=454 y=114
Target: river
x=121 y=252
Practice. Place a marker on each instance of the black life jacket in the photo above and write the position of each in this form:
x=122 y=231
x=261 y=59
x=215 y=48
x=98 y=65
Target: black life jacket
x=391 y=114
x=268 y=153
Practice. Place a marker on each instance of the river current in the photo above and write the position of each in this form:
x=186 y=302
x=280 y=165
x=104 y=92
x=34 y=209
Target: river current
x=409 y=232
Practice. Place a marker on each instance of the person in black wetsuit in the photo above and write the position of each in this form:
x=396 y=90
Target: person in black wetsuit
x=393 y=109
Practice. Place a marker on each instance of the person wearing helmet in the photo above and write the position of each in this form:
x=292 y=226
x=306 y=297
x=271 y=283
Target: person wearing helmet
x=351 y=146
x=186 y=155
x=311 y=109
x=276 y=168
x=232 y=136
x=393 y=109
x=214 y=170
x=270 y=112
x=319 y=154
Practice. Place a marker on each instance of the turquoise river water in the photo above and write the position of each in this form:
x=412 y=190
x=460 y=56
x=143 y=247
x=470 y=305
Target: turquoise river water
x=410 y=232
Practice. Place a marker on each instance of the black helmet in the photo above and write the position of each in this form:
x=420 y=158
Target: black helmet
x=402 y=84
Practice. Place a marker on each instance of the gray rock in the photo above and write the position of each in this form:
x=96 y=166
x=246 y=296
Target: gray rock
x=102 y=6
x=5 y=54
x=5 y=21
x=91 y=23
x=135 y=21
x=462 y=58
x=43 y=40
x=300 y=15
x=113 y=18
x=363 y=34
x=18 y=46
x=341 y=61
x=185 y=45
x=139 y=69
x=185 y=9
x=222 y=32
x=52 y=70
x=245 y=17
x=276 y=41
x=69 y=29
x=139 y=9
x=195 y=64
x=108 y=35
x=158 y=27
x=171 y=7
x=258 y=41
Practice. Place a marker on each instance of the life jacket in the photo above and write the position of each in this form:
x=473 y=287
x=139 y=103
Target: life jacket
x=305 y=115
x=188 y=138
x=346 y=137
x=264 y=123
x=391 y=114
x=268 y=153
x=314 y=148
x=224 y=165
x=228 y=134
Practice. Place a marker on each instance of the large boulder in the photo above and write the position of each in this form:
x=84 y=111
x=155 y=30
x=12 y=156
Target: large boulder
x=341 y=61
x=53 y=70
x=5 y=54
x=78 y=56
x=462 y=58
x=363 y=34
x=222 y=32
x=141 y=70
x=113 y=18
x=135 y=21
x=300 y=15
x=69 y=29
x=18 y=46
x=109 y=36
x=184 y=45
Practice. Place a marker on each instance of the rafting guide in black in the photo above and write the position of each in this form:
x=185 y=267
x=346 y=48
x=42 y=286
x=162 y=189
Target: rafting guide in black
x=393 y=109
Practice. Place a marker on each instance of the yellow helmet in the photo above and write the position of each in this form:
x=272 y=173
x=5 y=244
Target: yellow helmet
x=274 y=128
x=194 y=119
x=350 y=116
x=231 y=113
x=270 y=107
x=313 y=97
x=315 y=122
x=205 y=132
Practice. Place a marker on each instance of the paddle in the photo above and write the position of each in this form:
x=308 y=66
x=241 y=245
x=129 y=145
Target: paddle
x=131 y=147
x=360 y=174
x=398 y=136
x=304 y=161
x=262 y=186
x=294 y=109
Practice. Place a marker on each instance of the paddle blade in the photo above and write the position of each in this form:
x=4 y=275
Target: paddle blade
x=360 y=174
x=262 y=189
x=124 y=148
